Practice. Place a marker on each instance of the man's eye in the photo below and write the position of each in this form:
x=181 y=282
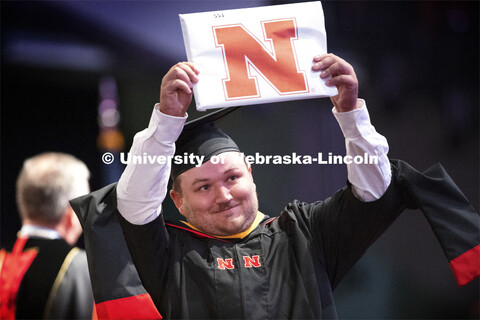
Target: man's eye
x=232 y=178
x=204 y=187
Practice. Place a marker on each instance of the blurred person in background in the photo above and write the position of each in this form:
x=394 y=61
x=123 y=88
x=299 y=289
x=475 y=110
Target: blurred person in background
x=43 y=275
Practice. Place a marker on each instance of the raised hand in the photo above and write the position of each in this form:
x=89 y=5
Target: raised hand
x=176 y=89
x=341 y=74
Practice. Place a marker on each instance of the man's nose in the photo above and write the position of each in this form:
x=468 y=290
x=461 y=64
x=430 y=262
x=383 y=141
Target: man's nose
x=223 y=195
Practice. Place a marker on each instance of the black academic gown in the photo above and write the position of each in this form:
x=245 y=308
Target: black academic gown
x=289 y=265
x=56 y=284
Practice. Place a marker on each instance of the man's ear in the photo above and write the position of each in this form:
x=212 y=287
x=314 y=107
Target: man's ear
x=67 y=218
x=177 y=199
x=70 y=228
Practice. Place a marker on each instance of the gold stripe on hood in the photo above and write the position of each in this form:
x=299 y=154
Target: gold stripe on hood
x=240 y=235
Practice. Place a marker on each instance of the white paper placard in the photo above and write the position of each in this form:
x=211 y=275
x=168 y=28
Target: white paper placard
x=256 y=55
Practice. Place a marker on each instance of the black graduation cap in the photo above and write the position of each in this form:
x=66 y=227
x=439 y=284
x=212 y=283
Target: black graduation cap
x=201 y=137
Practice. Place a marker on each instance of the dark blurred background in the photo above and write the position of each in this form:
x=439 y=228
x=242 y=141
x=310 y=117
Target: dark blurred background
x=82 y=77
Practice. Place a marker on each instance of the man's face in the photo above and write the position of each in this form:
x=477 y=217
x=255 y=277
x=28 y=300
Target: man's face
x=218 y=199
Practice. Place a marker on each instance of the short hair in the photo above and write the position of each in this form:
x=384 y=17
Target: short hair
x=47 y=182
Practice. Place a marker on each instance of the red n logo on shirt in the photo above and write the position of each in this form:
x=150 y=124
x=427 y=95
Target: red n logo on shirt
x=225 y=264
x=249 y=262
x=252 y=261
x=278 y=65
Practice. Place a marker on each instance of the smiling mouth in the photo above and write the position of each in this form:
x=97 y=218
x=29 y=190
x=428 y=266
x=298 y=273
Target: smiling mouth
x=223 y=209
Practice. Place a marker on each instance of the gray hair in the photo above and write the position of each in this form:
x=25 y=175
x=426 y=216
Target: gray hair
x=47 y=182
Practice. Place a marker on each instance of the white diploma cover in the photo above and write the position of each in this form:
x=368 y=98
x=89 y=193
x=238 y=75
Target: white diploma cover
x=256 y=55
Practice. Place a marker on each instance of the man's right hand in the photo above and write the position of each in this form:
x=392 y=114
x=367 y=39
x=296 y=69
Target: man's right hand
x=176 y=89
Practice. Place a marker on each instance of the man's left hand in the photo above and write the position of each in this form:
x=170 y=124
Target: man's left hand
x=341 y=74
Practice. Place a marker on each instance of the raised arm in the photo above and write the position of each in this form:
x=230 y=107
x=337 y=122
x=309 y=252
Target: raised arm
x=369 y=181
x=143 y=187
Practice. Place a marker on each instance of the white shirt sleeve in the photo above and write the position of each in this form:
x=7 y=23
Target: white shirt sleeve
x=143 y=185
x=369 y=181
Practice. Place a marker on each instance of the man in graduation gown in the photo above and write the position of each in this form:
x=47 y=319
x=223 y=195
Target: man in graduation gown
x=43 y=276
x=228 y=260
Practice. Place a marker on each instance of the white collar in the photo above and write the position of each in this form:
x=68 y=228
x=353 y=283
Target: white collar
x=30 y=230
